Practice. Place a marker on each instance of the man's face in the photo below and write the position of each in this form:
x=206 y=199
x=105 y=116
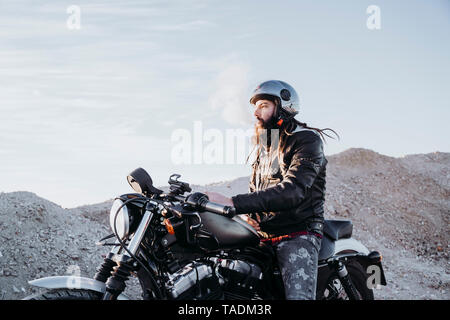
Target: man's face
x=264 y=109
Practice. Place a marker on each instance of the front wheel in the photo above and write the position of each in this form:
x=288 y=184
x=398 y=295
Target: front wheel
x=67 y=294
x=329 y=286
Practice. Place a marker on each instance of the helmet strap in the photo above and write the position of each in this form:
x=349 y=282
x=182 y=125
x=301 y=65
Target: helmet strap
x=277 y=116
x=281 y=116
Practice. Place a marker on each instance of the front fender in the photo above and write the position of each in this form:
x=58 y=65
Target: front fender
x=71 y=282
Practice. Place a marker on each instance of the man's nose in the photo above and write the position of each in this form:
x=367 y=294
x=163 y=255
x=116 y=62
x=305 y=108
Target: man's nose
x=256 y=113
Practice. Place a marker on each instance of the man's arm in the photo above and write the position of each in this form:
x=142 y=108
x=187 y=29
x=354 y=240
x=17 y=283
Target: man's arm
x=307 y=156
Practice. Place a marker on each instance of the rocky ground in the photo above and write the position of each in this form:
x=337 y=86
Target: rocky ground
x=39 y=238
x=399 y=206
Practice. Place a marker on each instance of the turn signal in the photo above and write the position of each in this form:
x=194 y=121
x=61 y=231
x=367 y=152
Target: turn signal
x=169 y=226
x=375 y=257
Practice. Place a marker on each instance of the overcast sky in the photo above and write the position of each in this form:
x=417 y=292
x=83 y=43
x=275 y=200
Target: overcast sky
x=81 y=108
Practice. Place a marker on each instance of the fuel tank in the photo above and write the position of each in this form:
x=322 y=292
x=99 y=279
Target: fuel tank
x=227 y=233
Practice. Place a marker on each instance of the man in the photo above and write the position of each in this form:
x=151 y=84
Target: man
x=287 y=187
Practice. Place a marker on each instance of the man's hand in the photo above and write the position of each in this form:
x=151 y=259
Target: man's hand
x=250 y=221
x=219 y=198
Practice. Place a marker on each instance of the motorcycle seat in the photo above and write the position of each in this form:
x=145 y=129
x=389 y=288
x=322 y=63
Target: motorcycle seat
x=338 y=229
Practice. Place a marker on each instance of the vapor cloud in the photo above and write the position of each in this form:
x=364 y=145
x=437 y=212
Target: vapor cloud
x=231 y=90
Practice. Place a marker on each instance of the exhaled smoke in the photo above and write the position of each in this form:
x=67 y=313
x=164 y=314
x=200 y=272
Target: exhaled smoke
x=231 y=95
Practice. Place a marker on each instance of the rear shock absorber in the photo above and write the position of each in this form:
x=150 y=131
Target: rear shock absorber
x=347 y=283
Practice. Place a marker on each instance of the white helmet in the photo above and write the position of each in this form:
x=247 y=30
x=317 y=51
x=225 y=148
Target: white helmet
x=284 y=92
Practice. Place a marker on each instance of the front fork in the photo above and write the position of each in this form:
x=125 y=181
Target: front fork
x=115 y=273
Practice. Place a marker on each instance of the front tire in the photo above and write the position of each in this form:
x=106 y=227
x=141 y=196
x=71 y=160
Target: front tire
x=329 y=286
x=67 y=294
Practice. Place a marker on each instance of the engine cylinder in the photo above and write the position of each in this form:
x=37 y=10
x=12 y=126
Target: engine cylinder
x=194 y=281
x=242 y=279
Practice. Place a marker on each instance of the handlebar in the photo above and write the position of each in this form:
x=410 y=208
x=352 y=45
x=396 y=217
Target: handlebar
x=226 y=211
x=200 y=202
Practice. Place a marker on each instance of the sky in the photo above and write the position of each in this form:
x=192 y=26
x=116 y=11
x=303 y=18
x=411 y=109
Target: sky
x=81 y=108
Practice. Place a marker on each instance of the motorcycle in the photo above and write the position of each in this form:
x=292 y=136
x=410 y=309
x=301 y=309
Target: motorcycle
x=188 y=248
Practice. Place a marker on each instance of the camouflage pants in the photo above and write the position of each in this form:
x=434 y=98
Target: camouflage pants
x=298 y=259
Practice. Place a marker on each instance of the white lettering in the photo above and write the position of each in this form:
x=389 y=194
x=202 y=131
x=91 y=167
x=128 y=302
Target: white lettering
x=240 y=309
x=73 y=281
x=74 y=20
x=213 y=153
x=181 y=152
x=374 y=20
x=374 y=279
x=195 y=310
x=189 y=146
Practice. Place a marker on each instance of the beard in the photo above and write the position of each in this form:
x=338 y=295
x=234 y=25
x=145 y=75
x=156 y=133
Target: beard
x=263 y=131
x=269 y=124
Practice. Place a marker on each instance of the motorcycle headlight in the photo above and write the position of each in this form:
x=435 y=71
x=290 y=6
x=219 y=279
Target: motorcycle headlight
x=122 y=220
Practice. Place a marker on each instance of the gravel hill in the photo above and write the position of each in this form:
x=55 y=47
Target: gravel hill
x=399 y=206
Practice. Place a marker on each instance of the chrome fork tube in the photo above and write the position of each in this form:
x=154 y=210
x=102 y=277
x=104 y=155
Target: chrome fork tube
x=133 y=246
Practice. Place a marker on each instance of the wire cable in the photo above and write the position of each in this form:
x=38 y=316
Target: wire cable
x=122 y=244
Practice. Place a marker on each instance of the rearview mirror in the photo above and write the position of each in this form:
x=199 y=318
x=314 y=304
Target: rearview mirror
x=142 y=183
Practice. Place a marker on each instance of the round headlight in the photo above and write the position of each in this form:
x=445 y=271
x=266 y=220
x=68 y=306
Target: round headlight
x=122 y=220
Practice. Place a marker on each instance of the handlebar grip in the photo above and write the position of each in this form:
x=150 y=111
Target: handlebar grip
x=230 y=211
x=201 y=202
x=226 y=211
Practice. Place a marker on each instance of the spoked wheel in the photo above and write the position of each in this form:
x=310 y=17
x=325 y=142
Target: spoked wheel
x=66 y=294
x=331 y=288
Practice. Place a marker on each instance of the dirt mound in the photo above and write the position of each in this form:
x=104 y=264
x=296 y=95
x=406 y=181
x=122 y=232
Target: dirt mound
x=359 y=158
x=95 y=212
x=39 y=238
x=401 y=207
x=400 y=195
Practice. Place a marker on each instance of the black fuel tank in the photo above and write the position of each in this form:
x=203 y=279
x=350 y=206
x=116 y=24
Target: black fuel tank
x=229 y=233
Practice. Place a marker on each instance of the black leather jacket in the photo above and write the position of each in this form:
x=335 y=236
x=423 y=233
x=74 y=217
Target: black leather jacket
x=288 y=190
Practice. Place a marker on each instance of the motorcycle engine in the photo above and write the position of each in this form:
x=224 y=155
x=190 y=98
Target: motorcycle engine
x=229 y=279
x=195 y=281
x=240 y=279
